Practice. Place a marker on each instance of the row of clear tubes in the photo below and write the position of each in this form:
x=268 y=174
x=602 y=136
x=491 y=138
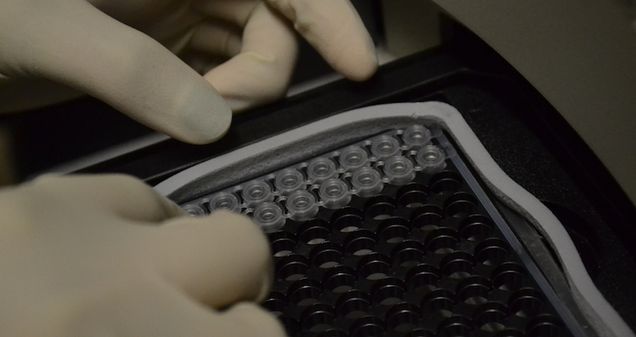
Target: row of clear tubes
x=298 y=192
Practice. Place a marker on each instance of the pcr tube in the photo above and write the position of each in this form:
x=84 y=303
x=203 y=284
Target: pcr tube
x=353 y=157
x=321 y=169
x=289 y=180
x=302 y=205
x=256 y=192
x=269 y=216
x=224 y=200
x=334 y=193
x=416 y=135
x=399 y=170
x=193 y=210
x=384 y=146
x=367 y=181
x=431 y=158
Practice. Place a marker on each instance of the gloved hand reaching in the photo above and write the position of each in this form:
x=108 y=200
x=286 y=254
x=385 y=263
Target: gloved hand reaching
x=106 y=256
x=97 y=47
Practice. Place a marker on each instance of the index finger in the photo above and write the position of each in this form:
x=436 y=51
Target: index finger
x=124 y=196
x=220 y=259
x=335 y=29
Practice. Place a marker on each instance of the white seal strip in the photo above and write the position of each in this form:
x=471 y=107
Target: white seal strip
x=599 y=312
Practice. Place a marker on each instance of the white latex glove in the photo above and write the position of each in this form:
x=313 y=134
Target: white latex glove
x=97 y=47
x=92 y=256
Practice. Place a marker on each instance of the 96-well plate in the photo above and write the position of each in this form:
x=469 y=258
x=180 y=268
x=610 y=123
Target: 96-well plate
x=391 y=236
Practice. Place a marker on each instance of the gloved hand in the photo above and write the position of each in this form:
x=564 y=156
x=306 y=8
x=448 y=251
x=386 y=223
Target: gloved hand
x=106 y=256
x=97 y=47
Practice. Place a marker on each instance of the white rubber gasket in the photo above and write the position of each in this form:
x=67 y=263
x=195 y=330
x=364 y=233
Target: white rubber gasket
x=605 y=320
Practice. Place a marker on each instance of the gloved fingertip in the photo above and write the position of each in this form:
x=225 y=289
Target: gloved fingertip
x=239 y=104
x=204 y=122
x=363 y=71
x=360 y=64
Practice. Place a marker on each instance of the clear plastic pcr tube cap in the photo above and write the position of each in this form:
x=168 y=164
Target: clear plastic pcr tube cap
x=416 y=135
x=224 y=200
x=269 y=216
x=399 y=170
x=353 y=157
x=431 y=158
x=256 y=192
x=367 y=182
x=334 y=193
x=302 y=205
x=193 y=210
x=289 y=180
x=321 y=169
x=384 y=146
